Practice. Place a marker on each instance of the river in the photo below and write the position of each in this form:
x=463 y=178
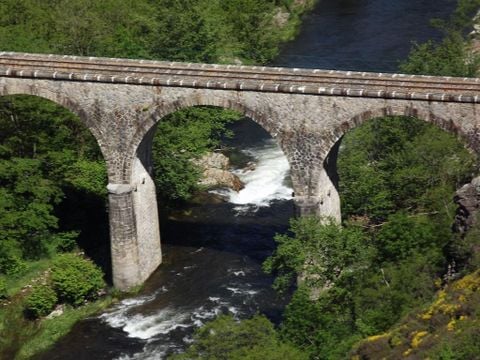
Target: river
x=213 y=255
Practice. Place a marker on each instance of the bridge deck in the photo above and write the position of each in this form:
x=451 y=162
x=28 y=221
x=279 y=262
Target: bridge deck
x=244 y=78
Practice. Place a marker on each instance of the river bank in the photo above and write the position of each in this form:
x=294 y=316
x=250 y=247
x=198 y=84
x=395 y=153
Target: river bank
x=23 y=333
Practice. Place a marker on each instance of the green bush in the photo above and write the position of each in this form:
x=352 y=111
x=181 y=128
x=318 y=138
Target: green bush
x=10 y=261
x=76 y=279
x=40 y=302
x=182 y=136
x=65 y=241
x=227 y=339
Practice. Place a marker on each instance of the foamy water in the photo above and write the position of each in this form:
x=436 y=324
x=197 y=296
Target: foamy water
x=164 y=321
x=263 y=184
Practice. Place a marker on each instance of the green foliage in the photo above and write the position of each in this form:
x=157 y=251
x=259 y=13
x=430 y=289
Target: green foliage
x=180 y=137
x=33 y=127
x=82 y=27
x=22 y=338
x=26 y=207
x=384 y=294
x=15 y=329
x=446 y=327
x=397 y=179
x=30 y=270
x=347 y=311
x=403 y=236
x=193 y=30
x=3 y=289
x=251 y=21
x=449 y=58
x=51 y=330
x=41 y=301
x=452 y=56
x=400 y=163
x=10 y=261
x=466 y=345
x=76 y=279
x=88 y=176
x=228 y=339
x=64 y=241
x=325 y=328
x=43 y=149
x=320 y=250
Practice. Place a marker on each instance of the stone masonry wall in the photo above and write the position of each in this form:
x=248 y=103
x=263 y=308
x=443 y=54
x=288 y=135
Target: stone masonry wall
x=305 y=126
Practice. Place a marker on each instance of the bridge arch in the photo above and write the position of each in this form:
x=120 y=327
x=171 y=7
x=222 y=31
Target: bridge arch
x=140 y=174
x=164 y=109
x=62 y=100
x=331 y=141
x=75 y=197
x=409 y=111
x=142 y=141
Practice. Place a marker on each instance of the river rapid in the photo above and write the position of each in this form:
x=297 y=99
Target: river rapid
x=213 y=252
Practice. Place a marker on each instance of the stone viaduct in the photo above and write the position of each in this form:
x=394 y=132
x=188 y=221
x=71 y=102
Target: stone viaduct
x=306 y=111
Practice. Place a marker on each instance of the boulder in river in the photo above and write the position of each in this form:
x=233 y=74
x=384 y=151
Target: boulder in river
x=215 y=172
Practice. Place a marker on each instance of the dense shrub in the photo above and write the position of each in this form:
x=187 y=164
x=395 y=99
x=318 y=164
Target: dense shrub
x=10 y=264
x=65 y=241
x=40 y=302
x=447 y=328
x=228 y=339
x=76 y=279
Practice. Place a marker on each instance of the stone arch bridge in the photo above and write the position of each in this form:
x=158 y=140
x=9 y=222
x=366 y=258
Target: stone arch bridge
x=306 y=111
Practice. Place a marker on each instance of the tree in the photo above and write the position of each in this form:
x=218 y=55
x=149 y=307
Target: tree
x=320 y=251
x=396 y=163
x=76 y=279
x=181 y=137
x=451 y=57
x=43 y=149
x=228 y=339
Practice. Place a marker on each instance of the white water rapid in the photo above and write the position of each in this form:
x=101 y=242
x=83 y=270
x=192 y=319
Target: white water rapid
x=265 y=183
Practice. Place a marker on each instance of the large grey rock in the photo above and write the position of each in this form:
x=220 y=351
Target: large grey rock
x=214 y=160
x=215 y=172
x=468 y=200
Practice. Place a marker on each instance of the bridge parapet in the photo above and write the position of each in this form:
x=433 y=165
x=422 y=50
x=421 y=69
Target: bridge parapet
x=243 y=78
